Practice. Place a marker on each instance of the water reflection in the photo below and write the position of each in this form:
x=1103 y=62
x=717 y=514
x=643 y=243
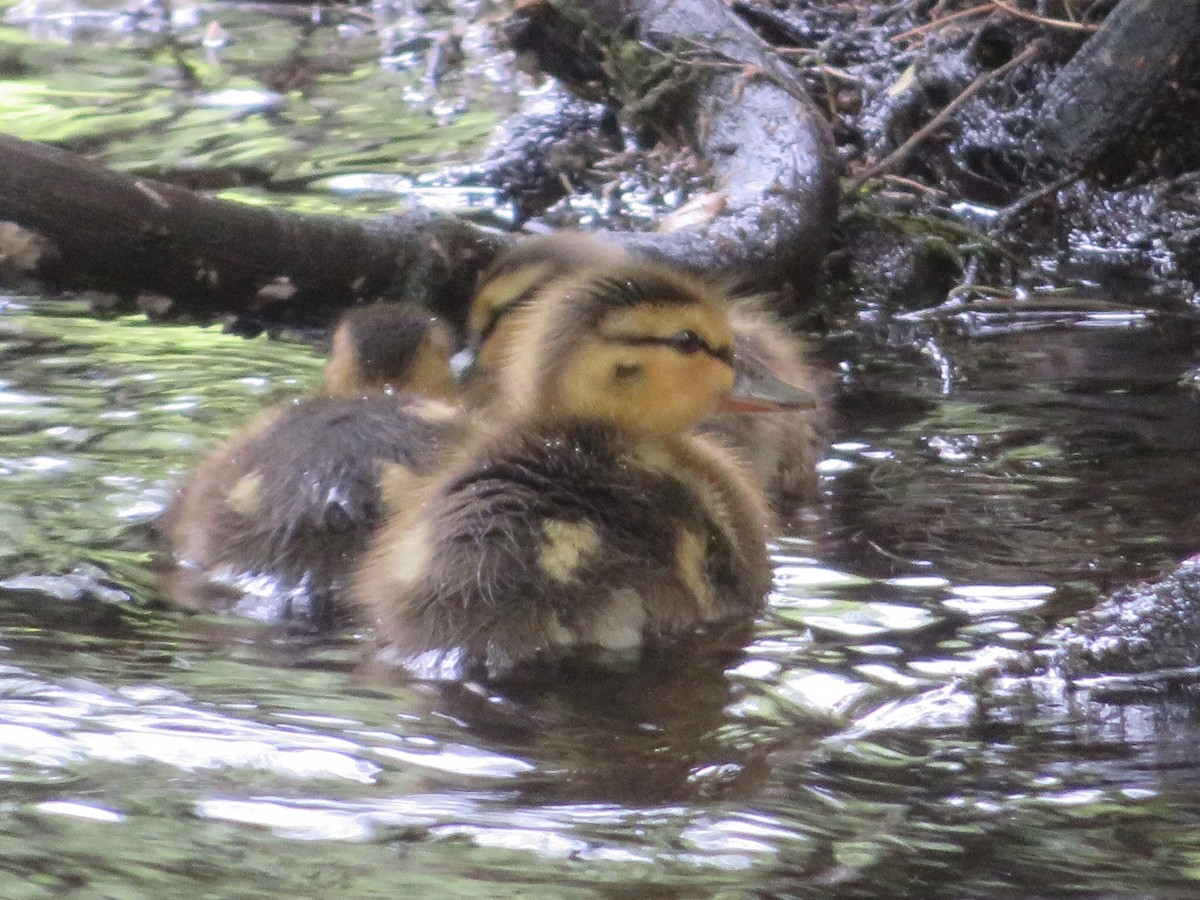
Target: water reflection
x=866 y=743
x=254 y=98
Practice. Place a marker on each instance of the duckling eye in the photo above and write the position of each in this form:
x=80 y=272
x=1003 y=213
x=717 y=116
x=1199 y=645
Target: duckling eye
x=686 y=342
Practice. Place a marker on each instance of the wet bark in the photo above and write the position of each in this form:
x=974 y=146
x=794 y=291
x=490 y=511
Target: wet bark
x=1132 y=69
x=742 y=108
x=73 y=225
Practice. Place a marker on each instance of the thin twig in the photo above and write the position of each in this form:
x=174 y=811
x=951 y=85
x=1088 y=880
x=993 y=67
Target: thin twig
x=840 y=74
x=1034 y=17
x=902 y=152
x=938 y=23
x=915 y=185
x=1015 y=209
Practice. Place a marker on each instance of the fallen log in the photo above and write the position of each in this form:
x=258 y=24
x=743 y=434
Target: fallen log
x=1141 y=63
x=733 y=100
x=73 y=225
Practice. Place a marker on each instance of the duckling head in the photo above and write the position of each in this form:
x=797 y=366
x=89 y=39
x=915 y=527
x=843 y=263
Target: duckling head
x=389 y=347
x=637 y=344
x=514 y=279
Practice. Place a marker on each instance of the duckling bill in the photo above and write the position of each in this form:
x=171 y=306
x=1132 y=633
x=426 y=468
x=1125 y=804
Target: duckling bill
x=274 y=520
x=589 y=517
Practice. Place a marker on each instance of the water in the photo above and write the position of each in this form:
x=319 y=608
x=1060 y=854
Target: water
x=148 y=753
x=990 y=476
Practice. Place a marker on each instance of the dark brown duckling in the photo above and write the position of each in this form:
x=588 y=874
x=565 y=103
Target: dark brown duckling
x=587 y=515
x=387 y=348
x=782 y=449
x=273 y=521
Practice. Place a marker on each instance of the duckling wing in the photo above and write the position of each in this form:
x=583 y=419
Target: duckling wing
x=321 y=466
x=296 y=497
x=551 y=540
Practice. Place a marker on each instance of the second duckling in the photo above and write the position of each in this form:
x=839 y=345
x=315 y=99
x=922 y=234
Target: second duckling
x=272 y=522
x=781 y=449
x=591 y=517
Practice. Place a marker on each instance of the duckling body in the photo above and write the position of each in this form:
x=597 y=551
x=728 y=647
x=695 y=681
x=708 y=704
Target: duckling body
x=564 y=536
x=781 y=449
x=591 y=518
x=273 y=521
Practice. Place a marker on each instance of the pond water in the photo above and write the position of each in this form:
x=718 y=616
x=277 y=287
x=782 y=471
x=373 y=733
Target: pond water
x=974 y=495
x=988 y=478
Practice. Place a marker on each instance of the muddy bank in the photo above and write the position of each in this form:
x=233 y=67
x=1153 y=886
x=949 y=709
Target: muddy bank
x=1148 y=628
x=988 y=147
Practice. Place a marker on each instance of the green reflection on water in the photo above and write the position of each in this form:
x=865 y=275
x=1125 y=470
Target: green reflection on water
x=97 y=418
x=282 y=103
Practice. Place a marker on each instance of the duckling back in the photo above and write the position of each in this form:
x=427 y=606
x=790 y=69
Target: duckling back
x=274 y=520
x=561 y=537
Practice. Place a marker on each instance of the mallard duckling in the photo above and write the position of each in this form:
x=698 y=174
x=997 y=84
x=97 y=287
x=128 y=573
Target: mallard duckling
x=781 y=449
x=386 y=348
x=513 y=279
x=591 y=516
x=273 y=521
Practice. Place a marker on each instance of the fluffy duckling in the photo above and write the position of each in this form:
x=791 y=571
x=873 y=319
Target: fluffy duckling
x=386 y=348
x=272 y=522
x=513 y=279
x=781 y=449
x=591 y=516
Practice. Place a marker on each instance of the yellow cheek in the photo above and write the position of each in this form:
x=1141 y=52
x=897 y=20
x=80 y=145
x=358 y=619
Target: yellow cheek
x=679 y=391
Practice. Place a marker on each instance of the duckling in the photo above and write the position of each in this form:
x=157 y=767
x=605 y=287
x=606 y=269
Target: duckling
x=589 y=515
x=272 y=522
x=781 y=449
x=513 y=279
x=387 y=347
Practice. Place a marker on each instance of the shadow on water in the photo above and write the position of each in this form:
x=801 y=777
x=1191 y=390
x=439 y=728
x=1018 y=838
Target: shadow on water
x=990 y=476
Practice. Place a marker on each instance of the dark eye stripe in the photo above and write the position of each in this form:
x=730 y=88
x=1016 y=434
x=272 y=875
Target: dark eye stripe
x=495 y=315
x=723 y=354
x=498 y=314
